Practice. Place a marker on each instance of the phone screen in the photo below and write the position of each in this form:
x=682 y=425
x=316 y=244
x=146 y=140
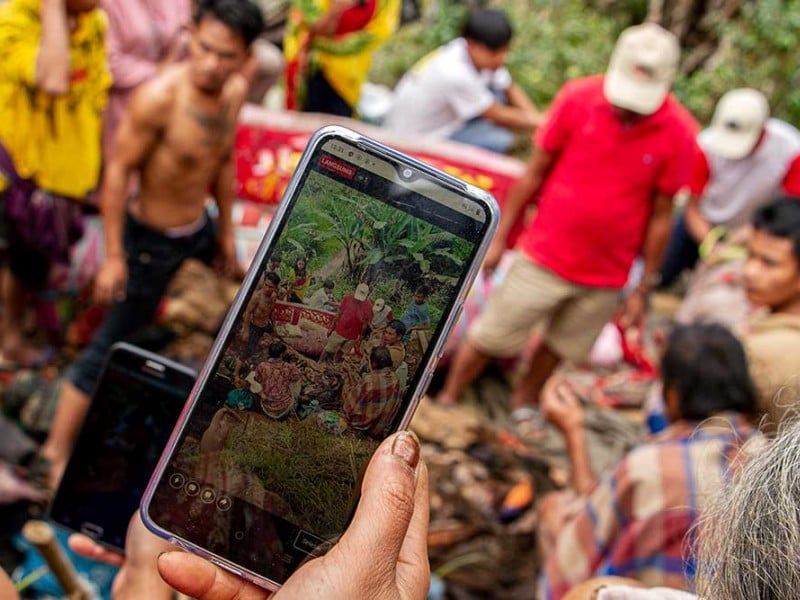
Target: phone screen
x=132 y=415
x=322 y=360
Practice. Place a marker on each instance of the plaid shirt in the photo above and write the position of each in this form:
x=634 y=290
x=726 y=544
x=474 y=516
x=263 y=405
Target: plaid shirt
x=635 y=522
x=373 y=403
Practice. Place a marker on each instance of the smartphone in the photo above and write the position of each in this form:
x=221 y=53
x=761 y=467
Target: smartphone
x=134 y=408
x=310 y=371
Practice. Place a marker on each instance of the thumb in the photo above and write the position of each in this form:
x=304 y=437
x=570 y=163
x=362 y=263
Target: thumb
x=381 y=521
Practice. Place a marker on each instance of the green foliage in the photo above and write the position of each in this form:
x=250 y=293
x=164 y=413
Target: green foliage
x=556 y=40
x=373 y=238
x=315 y=471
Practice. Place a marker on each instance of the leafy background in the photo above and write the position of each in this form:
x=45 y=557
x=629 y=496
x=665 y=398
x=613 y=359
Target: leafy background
x=726 y=44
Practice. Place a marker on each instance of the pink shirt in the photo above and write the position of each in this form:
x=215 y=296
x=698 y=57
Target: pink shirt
x=140 y=34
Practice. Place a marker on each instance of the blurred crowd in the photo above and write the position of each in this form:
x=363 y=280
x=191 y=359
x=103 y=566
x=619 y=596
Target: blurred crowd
x=128 y=108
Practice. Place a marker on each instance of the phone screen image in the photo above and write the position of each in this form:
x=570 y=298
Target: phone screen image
x=126 y=429
x=327 y=351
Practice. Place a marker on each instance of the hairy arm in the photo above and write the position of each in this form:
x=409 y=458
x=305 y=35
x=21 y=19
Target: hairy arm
x=52 y=62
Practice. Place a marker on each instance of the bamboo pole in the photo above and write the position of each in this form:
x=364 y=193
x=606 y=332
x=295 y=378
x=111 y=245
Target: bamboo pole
x=42 y=537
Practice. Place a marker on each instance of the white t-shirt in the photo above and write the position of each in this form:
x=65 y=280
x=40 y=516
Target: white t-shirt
x=443 y=91
x=736 y=188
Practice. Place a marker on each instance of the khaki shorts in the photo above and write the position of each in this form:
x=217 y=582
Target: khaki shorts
x=335 y=341
x=570 y=315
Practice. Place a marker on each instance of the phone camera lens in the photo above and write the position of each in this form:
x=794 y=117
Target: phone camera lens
x=407 y=173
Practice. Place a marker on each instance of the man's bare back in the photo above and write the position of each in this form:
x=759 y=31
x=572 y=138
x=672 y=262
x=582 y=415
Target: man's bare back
x=192 y=139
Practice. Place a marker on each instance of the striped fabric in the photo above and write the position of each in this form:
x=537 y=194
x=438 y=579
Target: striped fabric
x=635 y=522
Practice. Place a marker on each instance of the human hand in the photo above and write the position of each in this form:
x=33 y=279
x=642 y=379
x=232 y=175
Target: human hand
x=494 y=255
x=111 y=280
x=561 y=406
x=382 y=555
x=633 y=310
x=138 y=576
x=228 y=265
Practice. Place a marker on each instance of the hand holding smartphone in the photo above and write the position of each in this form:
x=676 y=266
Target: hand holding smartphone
x=264 y=469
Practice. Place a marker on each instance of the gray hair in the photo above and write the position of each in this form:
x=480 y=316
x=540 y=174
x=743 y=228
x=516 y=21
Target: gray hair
x=748 y=543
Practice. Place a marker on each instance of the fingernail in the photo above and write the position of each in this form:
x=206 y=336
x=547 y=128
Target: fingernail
x=406 y=447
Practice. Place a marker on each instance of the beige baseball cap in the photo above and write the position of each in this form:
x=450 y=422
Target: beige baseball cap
x=738 y=123
x=362 y=291
x=642 y=68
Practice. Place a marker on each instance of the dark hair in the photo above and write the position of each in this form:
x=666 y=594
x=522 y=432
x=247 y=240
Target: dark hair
x=380 y=358
x=276 y=349
x=423 y=289
x=398 y=326
x=242 y=16
x=706 y=365
x=273 y=277
x=327 y=284
x=781 y=218
x=489 y=27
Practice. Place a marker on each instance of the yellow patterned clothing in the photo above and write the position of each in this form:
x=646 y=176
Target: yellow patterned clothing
x=343 y=57
x=53 y=140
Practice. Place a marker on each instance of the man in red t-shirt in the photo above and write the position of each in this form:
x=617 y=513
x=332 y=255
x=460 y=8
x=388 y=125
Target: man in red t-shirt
x=352 y=319
x=606 y=163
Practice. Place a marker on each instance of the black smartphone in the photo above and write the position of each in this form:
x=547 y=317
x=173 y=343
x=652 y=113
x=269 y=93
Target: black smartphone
x=134 y=408
x=327 y=349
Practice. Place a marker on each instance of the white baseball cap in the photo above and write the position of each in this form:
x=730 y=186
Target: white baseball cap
x=738 y=123
x=642 y=68
x=362 y=291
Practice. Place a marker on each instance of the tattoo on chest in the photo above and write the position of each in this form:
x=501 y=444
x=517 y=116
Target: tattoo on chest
x=217 y=128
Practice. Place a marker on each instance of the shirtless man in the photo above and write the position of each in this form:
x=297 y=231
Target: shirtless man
x=258 y=314
x=178 y=135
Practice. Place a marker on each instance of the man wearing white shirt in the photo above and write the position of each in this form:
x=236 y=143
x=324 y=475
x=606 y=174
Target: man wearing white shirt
x=462 y=90
x=744 y=159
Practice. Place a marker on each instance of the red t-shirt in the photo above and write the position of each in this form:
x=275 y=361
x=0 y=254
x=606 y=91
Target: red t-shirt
x=595 y=202
x=353 y=317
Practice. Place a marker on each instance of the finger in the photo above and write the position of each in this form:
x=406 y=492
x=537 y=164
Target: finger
x=88 y=548
x=198 y=578
x=413 y=569
x=384 y=513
